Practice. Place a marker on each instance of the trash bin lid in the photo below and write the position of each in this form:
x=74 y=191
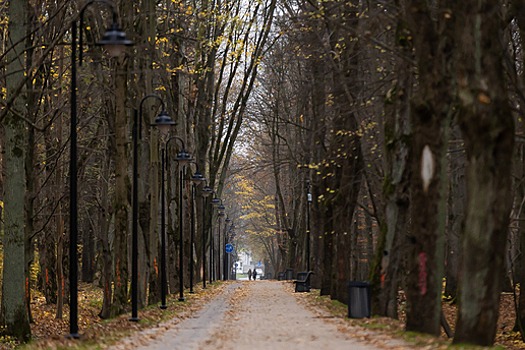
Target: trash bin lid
x=358 y=284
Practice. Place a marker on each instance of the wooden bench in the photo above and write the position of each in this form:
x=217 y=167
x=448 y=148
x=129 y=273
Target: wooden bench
x=302 y=283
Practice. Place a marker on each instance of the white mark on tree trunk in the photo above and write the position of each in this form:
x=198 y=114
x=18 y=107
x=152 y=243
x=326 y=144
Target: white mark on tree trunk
x=427 y=167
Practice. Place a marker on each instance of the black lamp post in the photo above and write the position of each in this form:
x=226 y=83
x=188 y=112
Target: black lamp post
x=163 y=123
x=163 y=268
x=221 y=209
x=229 y=239
x=196 y=178
x=217 y=203
x=206 y=191
x=163 y=274
x=213 y=271
x=226 y=255
x=117 y=45
x=182 y=158
x=308 y=204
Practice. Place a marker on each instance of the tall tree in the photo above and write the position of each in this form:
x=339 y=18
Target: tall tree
x=487 y=126
x=397 y=129
x=121 y=202
x=431 y=108
x=14 y=312
x=149 y=159
x=516 y=21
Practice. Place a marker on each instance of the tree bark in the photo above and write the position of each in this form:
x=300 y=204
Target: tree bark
x=487 y=125
x=14 y=315
x=122 y=184
x=391 y=247
x=431 y=107
x=456 y=216
x=104 y=237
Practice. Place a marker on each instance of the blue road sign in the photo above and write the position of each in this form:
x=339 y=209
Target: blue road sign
x=229 y=248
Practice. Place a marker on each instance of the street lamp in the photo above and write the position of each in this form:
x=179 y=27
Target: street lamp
x=220 y=209
x=163 y=122
x=217 y=203
x=117 y=45
x=182 y=158
x=213 y=271
x=196 y=178
x=230 y=239
x=206 y=191
x=225 y=260
x=308 y=204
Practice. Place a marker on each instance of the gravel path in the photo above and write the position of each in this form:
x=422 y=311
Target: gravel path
x=255 y=315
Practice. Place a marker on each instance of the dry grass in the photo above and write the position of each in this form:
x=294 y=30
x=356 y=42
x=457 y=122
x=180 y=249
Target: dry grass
x=48 y=332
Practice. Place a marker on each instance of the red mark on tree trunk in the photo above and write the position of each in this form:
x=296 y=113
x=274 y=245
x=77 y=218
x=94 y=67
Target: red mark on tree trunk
x=422 y=283
x=117 y=272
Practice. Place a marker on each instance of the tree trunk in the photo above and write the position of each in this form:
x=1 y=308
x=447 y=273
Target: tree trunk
x=328 y=253
x=391 y=248
x=487 y=125
x=88 y=247
x=456 y=216
x=47 y=241
x=105 y=238
x=431 y=109
x=14 y=313
x=149 y=166
x=519 y=203
x=517 y=11
x=121 y=204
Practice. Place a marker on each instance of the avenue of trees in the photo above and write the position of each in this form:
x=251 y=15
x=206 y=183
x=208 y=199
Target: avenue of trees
x=403 y=118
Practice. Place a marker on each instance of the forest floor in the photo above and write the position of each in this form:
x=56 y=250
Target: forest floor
x=49 y=332
x=505 y=337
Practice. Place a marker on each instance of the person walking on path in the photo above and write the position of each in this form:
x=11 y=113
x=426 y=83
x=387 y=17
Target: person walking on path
x=249 y=274
x=254 y=274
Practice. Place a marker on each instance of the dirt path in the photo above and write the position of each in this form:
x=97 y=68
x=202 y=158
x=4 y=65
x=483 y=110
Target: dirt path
x=253 y=315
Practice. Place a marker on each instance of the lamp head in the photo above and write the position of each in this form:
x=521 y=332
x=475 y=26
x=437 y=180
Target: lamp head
x=183 y=157
x=163 y=122
x=198 y=177
x=115 y=41
x=206 y=191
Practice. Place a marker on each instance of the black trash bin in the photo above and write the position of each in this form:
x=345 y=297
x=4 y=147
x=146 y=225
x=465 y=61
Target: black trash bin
x=359 y=299
x=289 y=274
